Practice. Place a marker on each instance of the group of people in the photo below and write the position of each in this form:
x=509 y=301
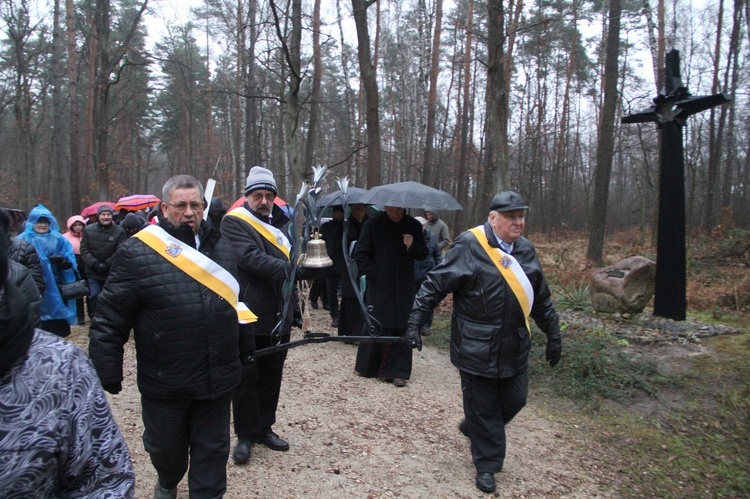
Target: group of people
x=202 y=297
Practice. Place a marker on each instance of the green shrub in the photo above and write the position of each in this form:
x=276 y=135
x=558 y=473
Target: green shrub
x=594 y=364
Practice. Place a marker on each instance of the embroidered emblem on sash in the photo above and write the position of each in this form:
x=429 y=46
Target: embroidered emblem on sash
x=505 y=262
x=173 y=250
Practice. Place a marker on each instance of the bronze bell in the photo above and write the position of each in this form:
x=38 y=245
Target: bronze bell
x=316 y=256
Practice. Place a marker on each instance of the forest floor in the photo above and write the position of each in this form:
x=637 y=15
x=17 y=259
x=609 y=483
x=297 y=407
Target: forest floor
x=358 y=437
x=354 y=437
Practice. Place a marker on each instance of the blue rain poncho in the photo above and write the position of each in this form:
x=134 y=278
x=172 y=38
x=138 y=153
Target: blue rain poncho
x=46 y=245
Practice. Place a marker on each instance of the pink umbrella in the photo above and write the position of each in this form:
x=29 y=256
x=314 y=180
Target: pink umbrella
x=92 y=208
x=137 y=202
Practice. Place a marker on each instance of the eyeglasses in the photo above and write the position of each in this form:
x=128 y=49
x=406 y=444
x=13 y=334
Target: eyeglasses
x=180 y=207
x=258 y=196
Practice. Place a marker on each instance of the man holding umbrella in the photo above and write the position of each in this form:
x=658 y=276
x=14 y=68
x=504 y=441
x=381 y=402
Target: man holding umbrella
x=389 y=244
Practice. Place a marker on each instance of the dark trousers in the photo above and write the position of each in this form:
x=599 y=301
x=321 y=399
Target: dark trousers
x=318 y=290
x=332 y=291
x=95 y=287
x=490 y=404
x=255 y=400
x=385 y=360
x=178 y=431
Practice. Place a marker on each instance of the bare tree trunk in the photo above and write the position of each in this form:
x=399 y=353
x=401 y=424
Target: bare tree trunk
x=60 y=175
x=496 y=102
x=464 y=144
x=605 y=143
x=352 y=129
x=370 y=84
x=713 y=185
x=312 y=133
x=252 y=128
x=429 y=176
x=291 y=52
x=74 y=118
x=731 y=82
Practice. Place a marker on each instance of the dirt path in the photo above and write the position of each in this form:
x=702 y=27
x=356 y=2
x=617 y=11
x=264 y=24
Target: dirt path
x=353 y=437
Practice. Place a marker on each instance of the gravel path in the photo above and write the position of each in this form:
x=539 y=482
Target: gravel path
x=354 y=437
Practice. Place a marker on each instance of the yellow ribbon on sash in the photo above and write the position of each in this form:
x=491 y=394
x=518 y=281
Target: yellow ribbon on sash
x=267 y=231
x=511 y=271
x=198 y=266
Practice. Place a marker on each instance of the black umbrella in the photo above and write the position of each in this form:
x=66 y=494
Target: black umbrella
x=412 y=195
x=354 y=195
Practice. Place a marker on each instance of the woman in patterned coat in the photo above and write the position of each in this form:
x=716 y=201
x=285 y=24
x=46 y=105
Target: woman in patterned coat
x=57 y=435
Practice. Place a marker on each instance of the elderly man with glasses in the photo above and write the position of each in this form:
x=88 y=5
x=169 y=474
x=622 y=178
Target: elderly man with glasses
x=257 y=231
x=173 y=283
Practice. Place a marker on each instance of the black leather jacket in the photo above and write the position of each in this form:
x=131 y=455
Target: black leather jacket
x=488 y=331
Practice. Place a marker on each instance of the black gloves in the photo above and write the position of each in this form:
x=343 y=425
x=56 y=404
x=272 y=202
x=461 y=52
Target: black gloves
x=60 y=261
x=554 y=350
x=113 y=388
x=414 y=336
x=102 y=268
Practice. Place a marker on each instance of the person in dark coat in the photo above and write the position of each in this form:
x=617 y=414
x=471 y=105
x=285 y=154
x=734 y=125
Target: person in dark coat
x=257 y=232
x=187 y=338
x=351 y=315
x=332 y=233
x=421 y=268
x=390 y=243
x=57 y=435
x=497 y=283
x=24 y=253
x=132 y=223
x=98 y=245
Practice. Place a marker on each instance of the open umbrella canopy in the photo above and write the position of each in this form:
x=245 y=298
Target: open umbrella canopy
x=354 y=195
x=137 y=202
x=92 y=208
x=412 y=195
x=277 y=201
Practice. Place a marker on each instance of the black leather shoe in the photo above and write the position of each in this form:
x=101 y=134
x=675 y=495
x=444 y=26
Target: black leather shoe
x=486 y=482
x=275 y=442
x=241 y=453
x=463 y=427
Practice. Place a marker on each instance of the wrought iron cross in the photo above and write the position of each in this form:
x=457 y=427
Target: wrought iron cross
x=670 y=111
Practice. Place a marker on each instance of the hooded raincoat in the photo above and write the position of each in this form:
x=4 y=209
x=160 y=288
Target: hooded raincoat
x=52 y=244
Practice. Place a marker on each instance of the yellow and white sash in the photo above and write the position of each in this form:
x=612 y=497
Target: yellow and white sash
x=198 y=266
x=511 y=271
x=267 y=231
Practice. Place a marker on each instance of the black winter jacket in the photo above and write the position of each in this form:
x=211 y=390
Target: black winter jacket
x=186 y=337
x=98 y=246
x=488 y=331
x=21 y=277
x=24 y=253
x=263 y=268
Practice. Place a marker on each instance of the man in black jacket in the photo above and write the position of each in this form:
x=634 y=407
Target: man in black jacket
x=257 y=233
x=173 y=283
x=98 y=245
x=497 y=283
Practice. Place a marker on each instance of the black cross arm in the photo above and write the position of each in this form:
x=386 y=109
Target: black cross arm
x=698 y=103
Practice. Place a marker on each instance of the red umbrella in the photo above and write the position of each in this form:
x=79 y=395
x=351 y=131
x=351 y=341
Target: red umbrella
x=92 y=208
x=278 y=202
x=137 y=202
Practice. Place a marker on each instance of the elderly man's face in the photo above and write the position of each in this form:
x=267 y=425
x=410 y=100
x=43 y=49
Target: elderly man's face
x=429 y=216
x=105 y=217
x=185 y=206
x=394 y=213
x=261 y=201
x=508 y=225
